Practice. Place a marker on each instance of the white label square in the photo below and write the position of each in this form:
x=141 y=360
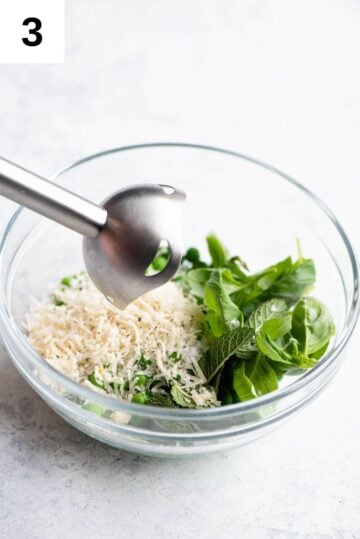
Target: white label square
x=32 y=31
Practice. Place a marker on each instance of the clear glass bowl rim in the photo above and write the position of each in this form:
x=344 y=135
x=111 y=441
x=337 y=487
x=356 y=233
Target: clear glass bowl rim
x=208 y=413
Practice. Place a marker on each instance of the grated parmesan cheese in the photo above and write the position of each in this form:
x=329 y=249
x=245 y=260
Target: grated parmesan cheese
x=155 y=340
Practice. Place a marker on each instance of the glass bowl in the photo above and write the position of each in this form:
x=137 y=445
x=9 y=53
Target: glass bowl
x=258 y=212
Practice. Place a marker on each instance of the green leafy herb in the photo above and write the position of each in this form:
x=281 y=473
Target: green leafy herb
x=221 y=311
x=175 y=356
x=218 y=253
x=271 y=349
x=150 y=398
x=312 y=326
x=267 y=310
x=296 y=282
x=158 y=399
x=197 y=280
x=224 y=347
x=261 y=374
x=180 y=397
x=66 y=281
x=58 y=302
x=92 y=378
x=259 y=326
x=242 y=384
x=144 y=362
x=256 y=288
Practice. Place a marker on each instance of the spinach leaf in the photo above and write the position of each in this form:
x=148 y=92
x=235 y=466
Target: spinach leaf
x=237 y=266
x=199 y=277
x=319 y=353
x=302 y=361
x=312 y=326
x=254 y=377
x=296 y=282
x=271 y=349
x=267 y=310
x=270 y=333
x=221 y=311
x=254 y=290
x=274 y=340
x=232 y=342
x=242 y=385
x=286 y=280
x=218 y=252
x=261 y=374
x=277 y=327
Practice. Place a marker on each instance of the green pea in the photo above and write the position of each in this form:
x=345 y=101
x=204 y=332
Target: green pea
x=141 y=398
x=159 y=262
x=192 y=255
x=141 y=380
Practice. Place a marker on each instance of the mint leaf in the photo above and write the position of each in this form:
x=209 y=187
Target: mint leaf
x=232 y=342
x=180 y=397
x=158 y=399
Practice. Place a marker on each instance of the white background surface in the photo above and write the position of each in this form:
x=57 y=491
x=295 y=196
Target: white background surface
x=275 y=79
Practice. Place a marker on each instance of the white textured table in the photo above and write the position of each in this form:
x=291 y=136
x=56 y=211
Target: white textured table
x=278 y=80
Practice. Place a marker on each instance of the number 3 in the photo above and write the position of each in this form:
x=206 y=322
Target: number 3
x=33 y=31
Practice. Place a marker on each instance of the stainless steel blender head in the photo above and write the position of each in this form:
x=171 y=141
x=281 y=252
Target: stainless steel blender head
x=122 y=235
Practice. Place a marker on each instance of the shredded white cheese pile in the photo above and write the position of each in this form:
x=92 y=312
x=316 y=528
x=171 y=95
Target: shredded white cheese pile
x=152 y=347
